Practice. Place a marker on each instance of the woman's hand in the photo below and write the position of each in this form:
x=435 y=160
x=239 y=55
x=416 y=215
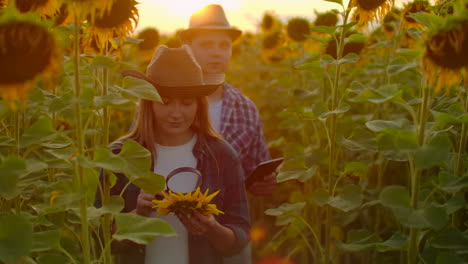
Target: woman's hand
x=144 y=204
x=197 y=223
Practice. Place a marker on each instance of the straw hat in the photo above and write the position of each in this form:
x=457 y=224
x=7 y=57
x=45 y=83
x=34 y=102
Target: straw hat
x=174 y=72
x=210 y=18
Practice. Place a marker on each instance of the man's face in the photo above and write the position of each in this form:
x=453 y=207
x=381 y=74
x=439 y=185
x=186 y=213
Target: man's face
x=212 y=50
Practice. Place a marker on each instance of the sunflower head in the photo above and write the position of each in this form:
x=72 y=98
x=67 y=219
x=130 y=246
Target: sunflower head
x=150 y=37
x=369 y=10
x=272 y=40
x=46 y=8
x=180 y=203
x=118 y=21
x=412 y=8
x=298 y=28
x=350 y=47
x=328 y=19
x=3 y=3
x=268 y=21
x=391 y=20
x=445 y=55
x=27 y=50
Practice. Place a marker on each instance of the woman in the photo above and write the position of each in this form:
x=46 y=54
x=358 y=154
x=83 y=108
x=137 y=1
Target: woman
x=178 y=134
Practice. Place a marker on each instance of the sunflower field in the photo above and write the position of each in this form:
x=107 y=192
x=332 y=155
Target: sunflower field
x=367 y=103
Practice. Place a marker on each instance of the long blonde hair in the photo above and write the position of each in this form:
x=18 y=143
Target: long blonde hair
x=144 y=130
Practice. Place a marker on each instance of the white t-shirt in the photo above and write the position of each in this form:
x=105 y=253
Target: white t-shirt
x=173 y=249
x=215 y=115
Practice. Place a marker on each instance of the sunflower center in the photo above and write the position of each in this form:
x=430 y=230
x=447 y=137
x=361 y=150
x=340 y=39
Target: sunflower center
x=121 y=12
x=370 y=4
x=449 y=49
x=26 y=50
x=27 y=5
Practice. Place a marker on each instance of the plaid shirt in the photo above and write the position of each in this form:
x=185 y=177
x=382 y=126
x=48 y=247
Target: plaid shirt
x=242 y=128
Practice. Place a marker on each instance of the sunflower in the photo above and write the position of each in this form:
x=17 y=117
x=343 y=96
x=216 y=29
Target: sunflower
x=412 y=8
x=369 y=10
x=298 y=28
x=27 y=50
x=187 y=203
x=150 y=37
x=45 y=8
x=117 y=22
x=445 y=56
x=3 y=3
x=391 y=20
x=328 y=19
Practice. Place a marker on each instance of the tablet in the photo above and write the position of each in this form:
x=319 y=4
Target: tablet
x=263 y=169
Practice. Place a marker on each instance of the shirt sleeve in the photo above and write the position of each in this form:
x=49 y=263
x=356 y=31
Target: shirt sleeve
x=236 y=212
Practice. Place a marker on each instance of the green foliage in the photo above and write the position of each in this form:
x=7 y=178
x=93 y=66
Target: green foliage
x=140 y=229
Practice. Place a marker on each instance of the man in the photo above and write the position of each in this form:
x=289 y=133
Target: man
x=232 y=114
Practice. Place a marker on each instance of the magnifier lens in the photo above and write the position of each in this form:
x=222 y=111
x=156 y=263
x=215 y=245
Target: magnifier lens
x=184 y=182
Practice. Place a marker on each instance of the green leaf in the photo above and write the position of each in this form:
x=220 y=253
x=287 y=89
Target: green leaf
x=379 y=125
x=133 y=160
x=113 y=99
x=427 y=19
x=412 y=53
x=356 y=38
x=359 y=240
x=348 y=58
x=46 y=240
x=103 y=62
x=151 y=183
x=286 y=208
x=444 y=119
x=448 y=257
x=15 y=238
x=437 y=217
x=141 y=229
x=301 y=175
x=397 y=242
x=451 y=239
x=394 y=69
x=356 y=169
x=41 y=131
x=341 y=109
x=324 y=29
x=340 y=2
x=395 y=197
x=349 y=199
x=138 y=88
x=452 y=183
x=320 y=196
x=11 y=170
x=434 y=153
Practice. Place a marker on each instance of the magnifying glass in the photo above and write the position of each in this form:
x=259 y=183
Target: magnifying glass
x=184 y=180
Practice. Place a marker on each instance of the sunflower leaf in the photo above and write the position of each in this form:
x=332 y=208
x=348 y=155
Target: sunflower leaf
x=140 y=229
x=340 y=2
x=138 y=88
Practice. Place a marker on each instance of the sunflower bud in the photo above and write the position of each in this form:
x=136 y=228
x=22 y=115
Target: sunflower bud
x=267 y=22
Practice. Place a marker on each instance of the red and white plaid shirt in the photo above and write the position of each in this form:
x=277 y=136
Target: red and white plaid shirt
x=242 y=128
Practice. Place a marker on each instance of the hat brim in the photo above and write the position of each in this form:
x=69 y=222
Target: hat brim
x=175 y=91
x=188 y=34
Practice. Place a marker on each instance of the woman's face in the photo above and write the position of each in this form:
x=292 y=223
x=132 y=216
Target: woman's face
x=175 y=116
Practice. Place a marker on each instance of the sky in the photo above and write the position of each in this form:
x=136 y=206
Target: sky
x=169 y=15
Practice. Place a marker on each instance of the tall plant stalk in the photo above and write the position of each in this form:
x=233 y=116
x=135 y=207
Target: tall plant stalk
x=332 y=131
x=80 y=177
x=416 y=174
x=107 y=219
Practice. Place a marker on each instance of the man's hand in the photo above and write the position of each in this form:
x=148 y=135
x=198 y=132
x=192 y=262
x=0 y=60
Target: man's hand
x=264 y=187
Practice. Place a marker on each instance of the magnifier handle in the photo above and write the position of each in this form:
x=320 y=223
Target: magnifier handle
x=184 y=169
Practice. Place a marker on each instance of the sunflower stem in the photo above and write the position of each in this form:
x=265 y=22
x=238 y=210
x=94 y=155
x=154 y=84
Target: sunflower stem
x=413 y=250
x=463 y=135
x=107 y=219
x=332 y=142
x=81 y=180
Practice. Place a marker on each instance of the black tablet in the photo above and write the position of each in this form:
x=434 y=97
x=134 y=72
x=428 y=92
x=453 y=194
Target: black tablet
x=263 y=169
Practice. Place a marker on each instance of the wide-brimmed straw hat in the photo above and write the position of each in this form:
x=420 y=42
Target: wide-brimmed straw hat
x=174 y=72
x=210 y=18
